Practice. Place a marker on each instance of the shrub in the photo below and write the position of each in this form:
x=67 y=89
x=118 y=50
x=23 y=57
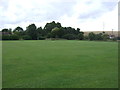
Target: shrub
x=26 y=37
x=5 y=37
x=114 y=39
x=49 y=35
x=105 y=37
x=80 y=36
x=91 y=36
x=118 y=38
x=86 y=38
x=70 y=36
x=41 y=38
x=14 y=37
x=98 y=37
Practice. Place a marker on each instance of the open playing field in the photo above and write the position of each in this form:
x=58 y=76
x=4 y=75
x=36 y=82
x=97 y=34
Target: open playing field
x=60 y=64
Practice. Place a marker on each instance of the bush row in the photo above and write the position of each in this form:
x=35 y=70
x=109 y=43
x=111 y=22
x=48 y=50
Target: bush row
x=16 y=37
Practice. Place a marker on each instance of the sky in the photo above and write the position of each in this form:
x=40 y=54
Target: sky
x=88 y=15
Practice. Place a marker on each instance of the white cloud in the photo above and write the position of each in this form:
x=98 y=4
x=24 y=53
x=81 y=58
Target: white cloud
x=109 y=18
x=85 y=14
x=108 y=21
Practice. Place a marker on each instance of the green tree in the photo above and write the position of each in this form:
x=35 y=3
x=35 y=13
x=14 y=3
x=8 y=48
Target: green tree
x=80 y=36
x=70 y=36
x=14 y=37
x=105 y=37
x=91 y=36
x=78 y=31
x=6 y=31
x=31 y=31
x=18 y=31
x=98 y=36
x=70 y=30
x=118 y=38
x=41 y=32
x=49 y=26
x=55 y=32
x=26 y=37
x=86 y=37
x=5 y=37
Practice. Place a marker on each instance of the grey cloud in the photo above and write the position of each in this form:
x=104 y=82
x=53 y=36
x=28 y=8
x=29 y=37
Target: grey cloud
x=93 y=15
x=109 y=5
x=4 y=4
x=89 y=2
x=58 y=9
x=35 y=14
x=53 y=13
x=41 y=13
x=105 y=7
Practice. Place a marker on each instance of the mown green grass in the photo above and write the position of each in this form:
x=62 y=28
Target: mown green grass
x=60 y=64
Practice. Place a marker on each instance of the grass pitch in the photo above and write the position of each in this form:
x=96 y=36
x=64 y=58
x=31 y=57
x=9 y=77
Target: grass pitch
x=60 y=64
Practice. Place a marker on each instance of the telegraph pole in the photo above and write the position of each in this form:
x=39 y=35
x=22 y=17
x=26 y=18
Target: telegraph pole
x=112 y=31
x=103 y=26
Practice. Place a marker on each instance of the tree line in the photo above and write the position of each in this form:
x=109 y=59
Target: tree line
x=51 y=30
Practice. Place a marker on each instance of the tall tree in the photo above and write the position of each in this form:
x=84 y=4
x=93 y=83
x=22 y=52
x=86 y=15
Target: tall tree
x=78 y=31
x=18 y=31
x=55 y=32
x=31 y=31
x=49 y=26
x=40 y=31
x=91 y=36
x=6 y=31
x=80 y=36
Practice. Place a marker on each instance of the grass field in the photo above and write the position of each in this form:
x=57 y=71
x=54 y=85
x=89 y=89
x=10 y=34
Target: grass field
x=60 y=64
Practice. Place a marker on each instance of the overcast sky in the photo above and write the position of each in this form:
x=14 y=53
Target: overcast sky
x=88 y=15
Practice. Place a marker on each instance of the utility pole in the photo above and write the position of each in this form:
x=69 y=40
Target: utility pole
x=103 y=26
x=112 y=31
